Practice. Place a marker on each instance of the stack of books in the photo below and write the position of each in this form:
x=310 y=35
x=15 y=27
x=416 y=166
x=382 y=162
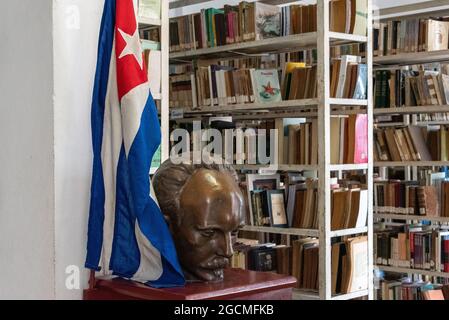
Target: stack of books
x=252 y=21
x=413 y=246
x=410 y=35
x=412 y=143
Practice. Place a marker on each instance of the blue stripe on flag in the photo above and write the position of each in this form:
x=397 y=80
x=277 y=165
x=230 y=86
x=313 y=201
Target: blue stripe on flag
x=125 y=256
x=150 y=219
x=96 y=210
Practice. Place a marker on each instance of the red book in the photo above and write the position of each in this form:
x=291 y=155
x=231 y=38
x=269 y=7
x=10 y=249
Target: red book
x=411 y=236
x=230 y=18
x=361 y=139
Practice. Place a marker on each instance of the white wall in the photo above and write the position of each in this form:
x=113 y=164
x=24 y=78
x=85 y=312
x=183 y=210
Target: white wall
x=45 y=140
x=26 y=150
x=76 y=30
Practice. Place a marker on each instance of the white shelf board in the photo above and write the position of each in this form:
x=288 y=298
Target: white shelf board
x=347 y=232
x=300 y=105
x=157 y=96
x=294 y=42
x=352 y=295
x=382 y=164
x=388 y=124
x=282 y=167
x=143 y=21
x=412 y=58
x=348 y=167
x=291 y=42
x=290 y=231
x=348 y=102
x=415 y=271
x=409 y=217
x=286 y=109
x=347 y=37
x=412 y=110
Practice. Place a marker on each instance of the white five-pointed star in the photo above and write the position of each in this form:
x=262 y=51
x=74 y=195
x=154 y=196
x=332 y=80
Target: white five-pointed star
x=132 y=46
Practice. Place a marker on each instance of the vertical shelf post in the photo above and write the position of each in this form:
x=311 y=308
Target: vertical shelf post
x=164 y=34
x=324 y=207
x=370 y=177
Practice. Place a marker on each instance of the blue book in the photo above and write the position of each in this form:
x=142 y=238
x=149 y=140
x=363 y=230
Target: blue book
x=362 y=82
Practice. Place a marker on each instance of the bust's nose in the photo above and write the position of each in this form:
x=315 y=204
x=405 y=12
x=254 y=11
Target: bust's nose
x=226 y=246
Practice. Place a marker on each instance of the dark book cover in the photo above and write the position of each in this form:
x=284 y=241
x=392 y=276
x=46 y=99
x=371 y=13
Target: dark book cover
x=262 y=259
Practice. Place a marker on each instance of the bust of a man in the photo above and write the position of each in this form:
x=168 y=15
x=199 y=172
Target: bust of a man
x=204 y=208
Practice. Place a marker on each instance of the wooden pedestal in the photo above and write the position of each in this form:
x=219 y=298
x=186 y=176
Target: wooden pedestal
x=238 y=284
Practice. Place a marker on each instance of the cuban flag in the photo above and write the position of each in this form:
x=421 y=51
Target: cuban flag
x=127 y=234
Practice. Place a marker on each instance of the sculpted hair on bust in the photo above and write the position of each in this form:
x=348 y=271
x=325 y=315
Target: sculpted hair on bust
x=170 y=179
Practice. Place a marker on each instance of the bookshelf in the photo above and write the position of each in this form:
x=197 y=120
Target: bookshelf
x=413 y=271
x=321 y=108
x=163 y=96
x=410 y=116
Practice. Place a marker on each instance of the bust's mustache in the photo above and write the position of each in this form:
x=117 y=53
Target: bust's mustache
x=216 y=263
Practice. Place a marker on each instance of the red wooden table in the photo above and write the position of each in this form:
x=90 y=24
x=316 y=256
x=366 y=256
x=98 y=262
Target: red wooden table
x=238 y=284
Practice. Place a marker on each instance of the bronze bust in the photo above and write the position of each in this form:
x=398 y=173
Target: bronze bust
x=204 y=208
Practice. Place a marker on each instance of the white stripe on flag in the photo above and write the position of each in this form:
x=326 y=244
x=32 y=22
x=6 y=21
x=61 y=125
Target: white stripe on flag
x=150 y=267
x=132 y=106
x=110 y=153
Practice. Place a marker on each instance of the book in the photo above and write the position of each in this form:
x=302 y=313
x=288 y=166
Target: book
x=153 y=61
x=266 y=85
x=357 y=265
x=150 y=9
x=360 y=17
x=436 y=294
x=267 y=21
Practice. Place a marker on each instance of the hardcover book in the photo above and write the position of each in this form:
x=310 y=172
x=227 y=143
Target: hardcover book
x=268 y=21
x=266 y=85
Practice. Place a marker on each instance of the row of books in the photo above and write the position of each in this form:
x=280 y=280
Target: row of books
x=349 y=139
x=221 y=85
x=252 y=21
x=411 y=35
x=398 y=289
x=413 y=246
x=296 y=205
x=412 y=198
x=412 y=143
x=349 y=266
x=349 y=261
x=297 y=140
x=406 y=87
x=349 y=207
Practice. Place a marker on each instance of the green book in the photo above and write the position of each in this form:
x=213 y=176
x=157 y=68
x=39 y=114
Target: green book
x=210 y=13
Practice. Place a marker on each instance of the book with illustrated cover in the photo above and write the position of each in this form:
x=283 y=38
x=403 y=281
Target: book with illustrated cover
x=150 y=9
x=266 y=85
x=268 y=21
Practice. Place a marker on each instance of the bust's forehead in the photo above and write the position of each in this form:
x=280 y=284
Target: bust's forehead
x=212 y=181
x=213 y=198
